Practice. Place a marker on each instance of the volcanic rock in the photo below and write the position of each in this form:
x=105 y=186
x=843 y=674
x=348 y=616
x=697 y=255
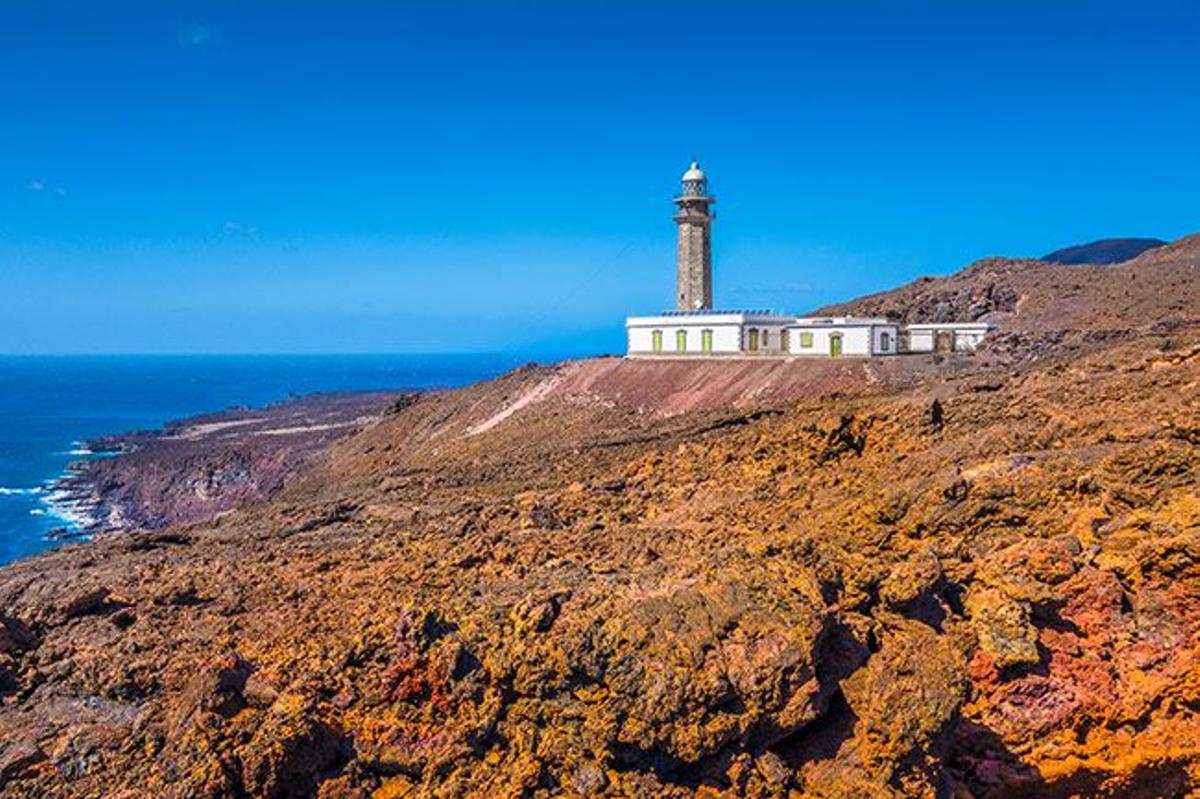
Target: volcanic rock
x=643 y=578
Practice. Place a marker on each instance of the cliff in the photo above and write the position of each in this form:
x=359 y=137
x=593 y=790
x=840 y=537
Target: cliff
x=972 y=577
x=196 y=468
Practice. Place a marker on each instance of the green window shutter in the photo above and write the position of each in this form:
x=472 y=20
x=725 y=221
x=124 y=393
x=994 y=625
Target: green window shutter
x=681 y=341
x=806 y=340
x=656 y=340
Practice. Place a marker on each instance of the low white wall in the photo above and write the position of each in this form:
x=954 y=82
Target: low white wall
x=920 y=340
x=923 y=338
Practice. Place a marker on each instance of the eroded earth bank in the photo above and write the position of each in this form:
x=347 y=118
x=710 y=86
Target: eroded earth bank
x=977 y=577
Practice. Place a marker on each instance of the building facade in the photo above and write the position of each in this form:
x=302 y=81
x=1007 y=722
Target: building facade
x=694 y=328
x=755 y=333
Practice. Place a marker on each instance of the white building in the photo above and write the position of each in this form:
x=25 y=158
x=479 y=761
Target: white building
x=705 y=332
x=832 y=336
x=695 y=329
x=946 y=336
x=752 y=333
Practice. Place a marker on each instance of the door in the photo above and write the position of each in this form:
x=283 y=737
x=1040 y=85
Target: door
x=706 y=341
x=681 y=341
x=753 y=340
x=835 y=345
x=944 y=341
x=785 y=340
x=656 y=340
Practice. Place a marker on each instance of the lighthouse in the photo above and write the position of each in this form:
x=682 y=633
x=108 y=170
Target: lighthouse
x=694 y=329
x=693 y=255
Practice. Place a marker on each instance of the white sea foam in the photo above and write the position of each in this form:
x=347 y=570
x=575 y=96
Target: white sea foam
x=76 y=516
x=7 y=492
x=75 y=512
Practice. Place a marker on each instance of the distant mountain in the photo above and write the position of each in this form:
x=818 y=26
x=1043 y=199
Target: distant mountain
x=1104 y=251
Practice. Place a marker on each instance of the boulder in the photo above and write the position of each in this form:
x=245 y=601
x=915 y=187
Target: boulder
x=289 y=750
x=913 y=583
x=1003 y=627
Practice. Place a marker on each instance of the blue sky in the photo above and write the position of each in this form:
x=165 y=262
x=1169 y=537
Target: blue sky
x=382 y=177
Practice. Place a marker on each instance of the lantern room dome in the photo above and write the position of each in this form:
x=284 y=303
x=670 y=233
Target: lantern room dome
x=694 y=174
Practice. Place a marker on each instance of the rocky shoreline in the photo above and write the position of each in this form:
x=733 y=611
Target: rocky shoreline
x=195 y=468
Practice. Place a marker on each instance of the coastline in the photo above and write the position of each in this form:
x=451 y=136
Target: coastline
x=61 y=499
x=195 y=467
x=58 y=413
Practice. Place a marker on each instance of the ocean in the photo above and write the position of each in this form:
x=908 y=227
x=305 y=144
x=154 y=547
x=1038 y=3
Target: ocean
x=50 y=405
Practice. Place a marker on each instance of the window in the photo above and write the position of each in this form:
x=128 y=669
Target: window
x=806 y=341
x=681 y=341
x=785 y=340
x=656 y=340
x=885 y=341
x=706 y=341
x=753 y=346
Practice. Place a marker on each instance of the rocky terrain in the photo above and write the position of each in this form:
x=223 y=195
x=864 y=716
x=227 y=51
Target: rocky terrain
x=1044 y=308
x=196 y=468
x=968 y=577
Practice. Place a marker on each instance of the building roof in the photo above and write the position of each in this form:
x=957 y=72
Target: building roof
x=842 y=321
x=706 y=317
x=712 y=311
x=760 y=316
x=951 y=326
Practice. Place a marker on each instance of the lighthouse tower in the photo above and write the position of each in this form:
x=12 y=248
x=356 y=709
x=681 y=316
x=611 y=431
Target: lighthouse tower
x=693 y=257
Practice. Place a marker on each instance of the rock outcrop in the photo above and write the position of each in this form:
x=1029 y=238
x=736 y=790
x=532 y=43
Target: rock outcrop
x=196 y=468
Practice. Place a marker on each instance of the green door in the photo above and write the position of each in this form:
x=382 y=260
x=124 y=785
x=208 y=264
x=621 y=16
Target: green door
x=706 y=341
x=835 y=345
x=681 y=341
x=656 y=340
x=785 y=340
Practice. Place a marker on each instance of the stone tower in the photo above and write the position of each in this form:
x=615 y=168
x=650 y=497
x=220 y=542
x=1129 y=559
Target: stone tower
x=693 y=258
